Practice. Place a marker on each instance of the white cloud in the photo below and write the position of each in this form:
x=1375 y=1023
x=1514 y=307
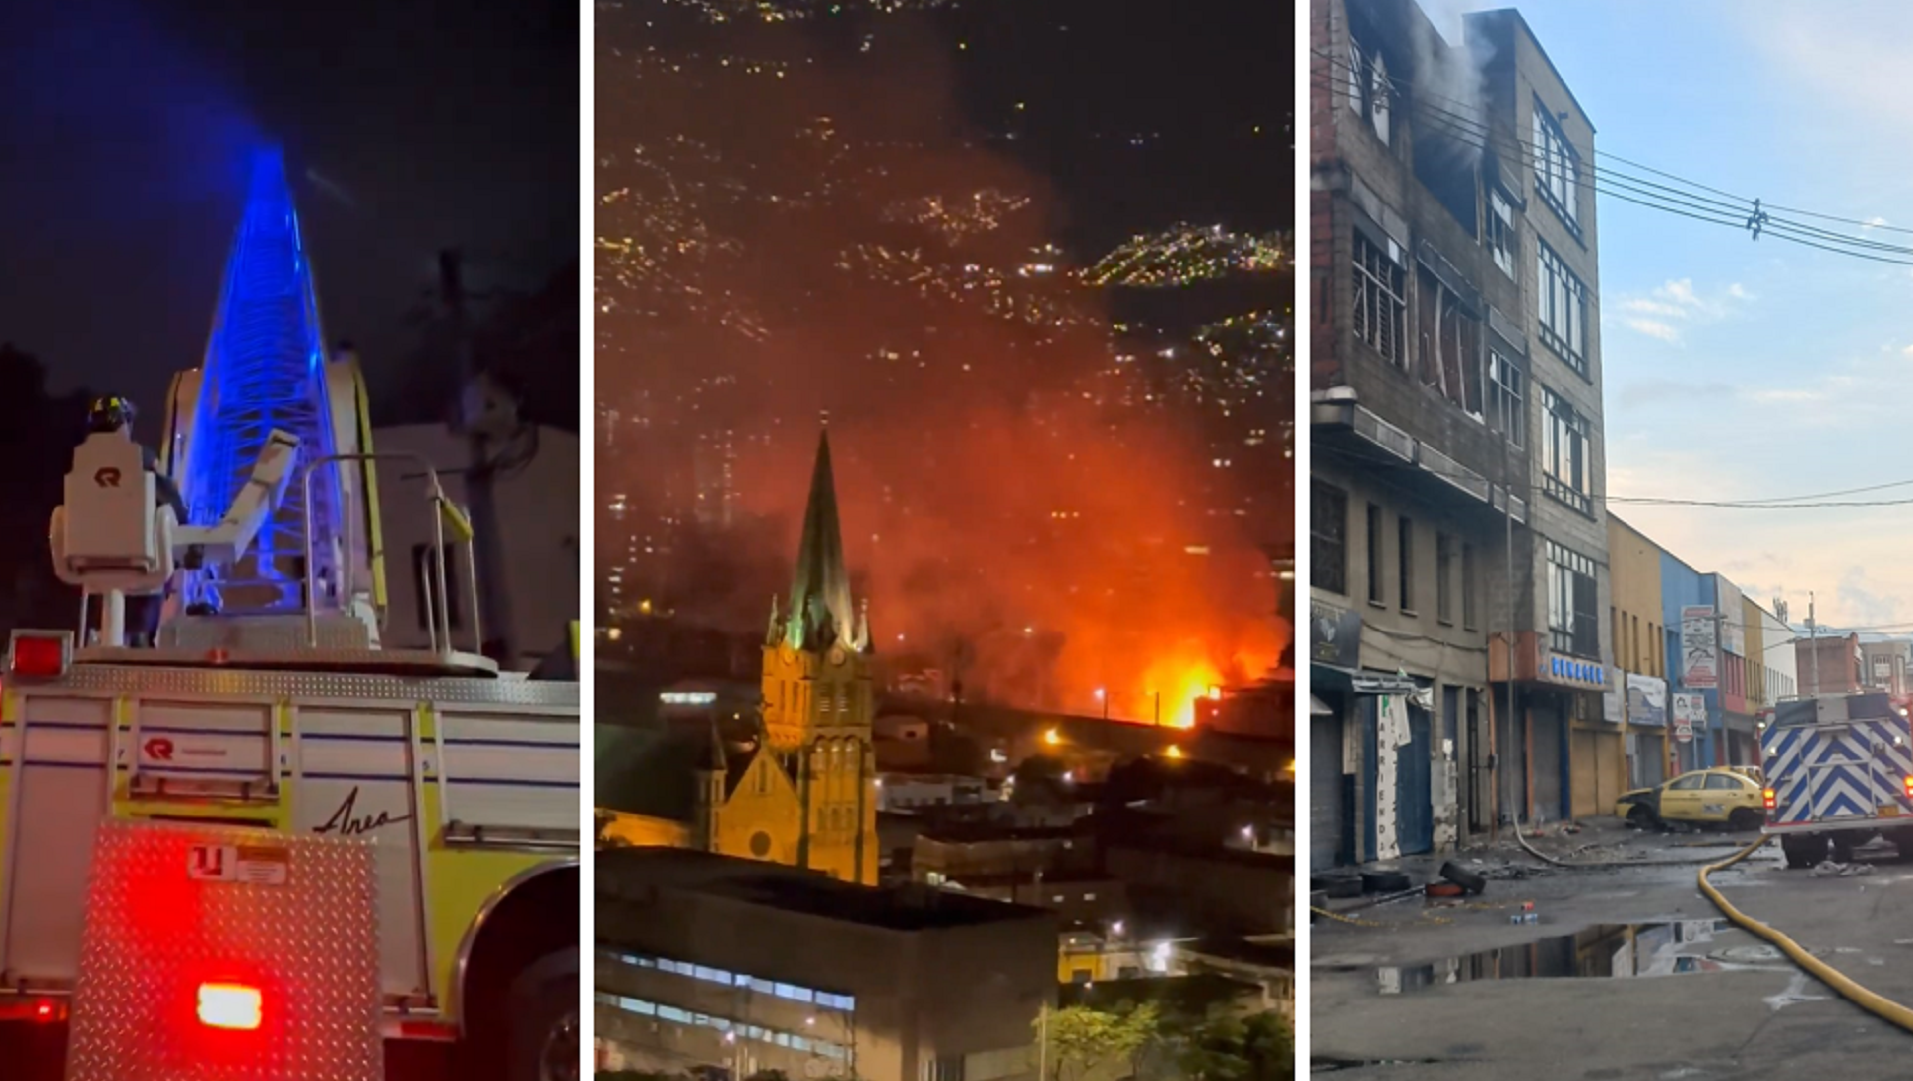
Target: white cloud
x=1784 y=394
x=1676 y=301
x=1653 y=329
x=1643 y=306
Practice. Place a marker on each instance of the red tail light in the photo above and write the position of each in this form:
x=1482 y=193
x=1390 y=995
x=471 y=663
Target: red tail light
x=229 y=1005
x=39 y=655
x=1767 y=795
x=1909 y=788
x=33 y=1009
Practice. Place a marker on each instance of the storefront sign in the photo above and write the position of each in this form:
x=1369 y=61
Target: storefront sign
x=1689 y=713
x=1577 y=672
x=1335 y=636
x=1700 y=648
x=1646 y=701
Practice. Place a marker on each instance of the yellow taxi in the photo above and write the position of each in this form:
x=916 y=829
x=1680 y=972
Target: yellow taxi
x=1724 y=795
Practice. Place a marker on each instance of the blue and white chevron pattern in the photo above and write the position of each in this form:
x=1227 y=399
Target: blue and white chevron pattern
x=1843 y=771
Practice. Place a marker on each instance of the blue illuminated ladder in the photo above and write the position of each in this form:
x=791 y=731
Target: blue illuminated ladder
x=264 y=370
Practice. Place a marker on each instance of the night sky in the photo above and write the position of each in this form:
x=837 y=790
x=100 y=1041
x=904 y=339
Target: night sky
x=408 y=125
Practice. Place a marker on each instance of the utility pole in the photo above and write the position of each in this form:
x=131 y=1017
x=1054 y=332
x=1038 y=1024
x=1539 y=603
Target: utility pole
x=1507 y=506
x=1042 y=1041
x=494 y=614
x=1813 y=645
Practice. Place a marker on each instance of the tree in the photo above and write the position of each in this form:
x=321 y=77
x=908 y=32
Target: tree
x=1227 y=1047
x=42 y=430
x=1080 y=1039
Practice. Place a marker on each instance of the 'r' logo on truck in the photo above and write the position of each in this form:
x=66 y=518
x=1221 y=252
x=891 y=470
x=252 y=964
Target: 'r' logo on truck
x=160 y=748
x=107 y=477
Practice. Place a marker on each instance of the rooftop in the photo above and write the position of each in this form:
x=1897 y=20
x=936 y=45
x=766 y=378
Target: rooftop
x=970 y=833
x=624 y=874
x=1278 y=953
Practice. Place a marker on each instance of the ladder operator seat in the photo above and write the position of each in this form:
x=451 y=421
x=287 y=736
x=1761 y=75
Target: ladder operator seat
x=111 y=532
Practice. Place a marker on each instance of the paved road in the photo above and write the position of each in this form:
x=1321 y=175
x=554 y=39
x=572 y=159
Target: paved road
x=1666 y=993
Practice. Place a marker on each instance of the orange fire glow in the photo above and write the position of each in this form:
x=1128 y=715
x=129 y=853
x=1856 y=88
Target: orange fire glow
x=1014 y=519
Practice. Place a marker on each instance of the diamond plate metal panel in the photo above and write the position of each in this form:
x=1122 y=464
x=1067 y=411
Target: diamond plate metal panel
x=143 y=680
x=171 y=908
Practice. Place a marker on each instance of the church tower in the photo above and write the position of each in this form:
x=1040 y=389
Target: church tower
x=817 y=697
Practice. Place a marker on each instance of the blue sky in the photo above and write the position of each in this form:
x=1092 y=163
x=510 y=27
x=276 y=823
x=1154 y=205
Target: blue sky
x=1737 y=369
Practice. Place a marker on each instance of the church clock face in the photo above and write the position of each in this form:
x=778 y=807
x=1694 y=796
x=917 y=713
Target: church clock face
x=786 y=654
x=837 y=656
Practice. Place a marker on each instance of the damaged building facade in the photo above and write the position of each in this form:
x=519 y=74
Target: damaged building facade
x=1458 y=546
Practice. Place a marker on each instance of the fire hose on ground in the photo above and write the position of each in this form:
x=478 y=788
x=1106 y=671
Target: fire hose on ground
x=1841 y=984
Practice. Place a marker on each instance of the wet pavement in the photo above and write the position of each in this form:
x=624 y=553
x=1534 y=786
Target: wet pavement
x=1624 y=973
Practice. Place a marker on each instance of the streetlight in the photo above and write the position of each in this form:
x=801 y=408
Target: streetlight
x=1102 y=696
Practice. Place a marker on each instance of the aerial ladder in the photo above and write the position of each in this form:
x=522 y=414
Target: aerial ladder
x=263 y=844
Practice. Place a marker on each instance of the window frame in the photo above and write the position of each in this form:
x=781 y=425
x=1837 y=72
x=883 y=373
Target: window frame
x=1573 y=630
x=1405 y=563
x=1470 y=607
x=1556 y=285
x=1377 y=591
x=1507 y=404
x=1503 y=232
x=1567 y=444
x=1322 y=542
x=1373 y=297
x=1556 y=163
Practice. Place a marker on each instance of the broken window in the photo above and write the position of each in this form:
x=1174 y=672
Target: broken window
x=1381 y=300
x=1369 y=89
x=1450 y=338
x=1449 y=167
x=1503 y=240
x=1507 y=399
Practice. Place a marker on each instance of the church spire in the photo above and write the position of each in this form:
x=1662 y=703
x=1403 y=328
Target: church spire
x=820 y=605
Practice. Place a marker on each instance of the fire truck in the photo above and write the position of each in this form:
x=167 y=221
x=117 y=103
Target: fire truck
x=1838 y=773
x=245 y=839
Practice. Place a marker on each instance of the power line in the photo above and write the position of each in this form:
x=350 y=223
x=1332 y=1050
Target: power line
x=1589 y=173
x=1796 y=502
x=1604 y=181
x=1733 y=211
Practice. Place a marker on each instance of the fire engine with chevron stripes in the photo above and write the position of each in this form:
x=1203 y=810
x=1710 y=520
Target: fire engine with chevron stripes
x=1839 y=773
x=240 y=835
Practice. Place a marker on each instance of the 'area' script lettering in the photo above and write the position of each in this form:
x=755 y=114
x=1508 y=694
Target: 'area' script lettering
x=346 y=822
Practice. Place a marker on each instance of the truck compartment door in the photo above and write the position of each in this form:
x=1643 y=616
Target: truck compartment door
x=357 y=775
x=223 y=750
x=54 y=753
x=509 y=779
x=1842 y=774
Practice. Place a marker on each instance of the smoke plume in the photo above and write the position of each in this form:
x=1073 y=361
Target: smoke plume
x=1028 y=501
